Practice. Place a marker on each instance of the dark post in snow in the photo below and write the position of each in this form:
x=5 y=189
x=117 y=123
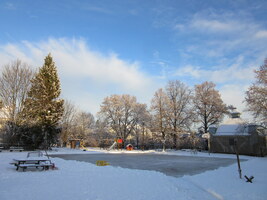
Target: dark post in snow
x=143 y=138
x=233 y=142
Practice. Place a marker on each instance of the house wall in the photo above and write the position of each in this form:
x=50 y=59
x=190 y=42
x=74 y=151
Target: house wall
x=254 y=145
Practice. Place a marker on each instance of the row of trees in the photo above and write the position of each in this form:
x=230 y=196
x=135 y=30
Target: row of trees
x=173 y=112
x=175 y=109
x=36 y=116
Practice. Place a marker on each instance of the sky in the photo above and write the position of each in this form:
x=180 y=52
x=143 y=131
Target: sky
x=105 y=47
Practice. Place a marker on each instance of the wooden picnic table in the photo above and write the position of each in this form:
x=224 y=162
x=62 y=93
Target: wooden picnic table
x=20 y=149
x=41 y=162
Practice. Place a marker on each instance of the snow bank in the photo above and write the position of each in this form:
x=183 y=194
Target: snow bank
x=80 y=180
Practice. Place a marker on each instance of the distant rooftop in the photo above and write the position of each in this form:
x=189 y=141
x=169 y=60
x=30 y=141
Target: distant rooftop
x=233 y=126
x=235 y=115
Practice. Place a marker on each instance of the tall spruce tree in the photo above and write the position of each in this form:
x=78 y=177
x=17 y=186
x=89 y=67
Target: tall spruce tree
x=43 y=107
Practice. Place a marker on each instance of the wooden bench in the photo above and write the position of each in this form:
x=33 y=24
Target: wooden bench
x=44 y=166
x=1 y=148
x=20 y=149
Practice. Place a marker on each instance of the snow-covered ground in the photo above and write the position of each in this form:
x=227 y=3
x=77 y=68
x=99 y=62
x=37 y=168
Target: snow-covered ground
x=82 y=181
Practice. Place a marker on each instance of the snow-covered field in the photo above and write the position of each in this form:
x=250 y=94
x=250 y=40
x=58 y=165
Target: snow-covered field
x=82 y=181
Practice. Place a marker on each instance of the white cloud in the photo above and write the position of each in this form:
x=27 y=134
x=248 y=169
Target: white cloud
x=213 y=25
x=189 y=70
x=10 y=6
x=179 y=27
x=261 y=34
x=98 y=9
x=221 y=74
x=87 y=76
x=217 y=34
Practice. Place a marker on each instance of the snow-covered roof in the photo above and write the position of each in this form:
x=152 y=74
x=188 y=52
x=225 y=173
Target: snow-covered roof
x=233 y=126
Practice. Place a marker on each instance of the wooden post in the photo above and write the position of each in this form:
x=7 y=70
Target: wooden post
x=237 y=157
x=233 y=142
x=143 y=138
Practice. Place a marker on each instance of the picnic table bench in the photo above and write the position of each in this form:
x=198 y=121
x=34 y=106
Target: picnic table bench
x=43 y=163
x=43 y=166
x=20 y=149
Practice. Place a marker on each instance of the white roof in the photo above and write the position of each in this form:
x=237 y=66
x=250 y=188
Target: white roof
x=233 y=126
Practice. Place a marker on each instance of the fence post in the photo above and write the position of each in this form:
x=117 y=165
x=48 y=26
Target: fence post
x=237 y=157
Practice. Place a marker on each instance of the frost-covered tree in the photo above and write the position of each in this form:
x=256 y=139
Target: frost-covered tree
x=159 y=112
x=122 y=113
x=76 y=124
x=67 y=122
x=209 y=106
x=256 y=96
x=15 y=82
x=84 y=126
x=180 y=110
x=43 y=107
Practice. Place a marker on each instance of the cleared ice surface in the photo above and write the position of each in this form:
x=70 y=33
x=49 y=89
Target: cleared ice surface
x=170 y=165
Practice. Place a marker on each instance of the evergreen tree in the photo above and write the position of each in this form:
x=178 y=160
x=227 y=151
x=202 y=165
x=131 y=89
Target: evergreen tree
x=43 y=107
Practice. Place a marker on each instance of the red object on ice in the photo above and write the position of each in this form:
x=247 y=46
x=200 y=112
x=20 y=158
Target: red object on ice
x=119 y=141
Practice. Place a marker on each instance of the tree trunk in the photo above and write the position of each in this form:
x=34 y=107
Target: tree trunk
x=174 y=141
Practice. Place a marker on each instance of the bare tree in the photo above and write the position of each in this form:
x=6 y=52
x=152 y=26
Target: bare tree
x=180 y=111
x=103 y=134
x=159 y=111
x=84 y=125
x=209 y=106
x=15 y=82
x=122 y=113
x=76 y=124
x=143 y=119
x=256 y=96
x=67 y=121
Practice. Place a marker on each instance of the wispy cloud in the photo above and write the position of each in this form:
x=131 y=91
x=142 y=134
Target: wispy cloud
x=84 y=72
x=98 y=9
x=213 y=25
x=232 y=80
x=261 y=34
x=219 y=76
x=218 y=34
x=239 y=71
x=10 y=6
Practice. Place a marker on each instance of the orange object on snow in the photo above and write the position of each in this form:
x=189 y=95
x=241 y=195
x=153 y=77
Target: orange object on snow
x=129 y=147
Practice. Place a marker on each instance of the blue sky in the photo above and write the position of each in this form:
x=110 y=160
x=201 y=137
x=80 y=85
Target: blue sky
x=104 y=47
